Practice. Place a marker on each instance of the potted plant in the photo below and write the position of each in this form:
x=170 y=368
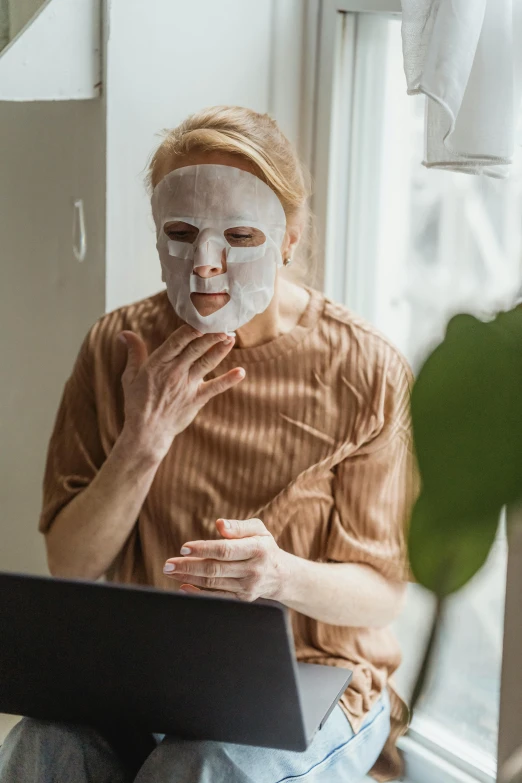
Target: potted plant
x=467 y=425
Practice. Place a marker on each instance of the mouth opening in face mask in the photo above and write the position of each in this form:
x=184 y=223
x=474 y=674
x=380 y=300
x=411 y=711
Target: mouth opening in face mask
x=209 y=291
x=206 y=304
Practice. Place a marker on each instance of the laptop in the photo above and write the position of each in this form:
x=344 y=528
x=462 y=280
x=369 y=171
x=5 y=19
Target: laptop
x=197 y=667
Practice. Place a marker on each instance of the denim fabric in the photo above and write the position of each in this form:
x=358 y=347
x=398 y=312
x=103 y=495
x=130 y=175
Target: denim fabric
x=44 y=752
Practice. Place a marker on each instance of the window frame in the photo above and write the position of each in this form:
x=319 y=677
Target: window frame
x=332 y=135
x=510 y=729
x=430 y=753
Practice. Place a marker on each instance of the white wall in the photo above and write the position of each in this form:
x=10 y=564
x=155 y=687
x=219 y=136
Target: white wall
x=166 y=59
x=20 y=12
x=56 y=56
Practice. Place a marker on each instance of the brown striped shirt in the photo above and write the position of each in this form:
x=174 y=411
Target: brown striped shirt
x=315 y=441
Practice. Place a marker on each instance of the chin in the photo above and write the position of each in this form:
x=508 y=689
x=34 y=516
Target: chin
x=204 y=312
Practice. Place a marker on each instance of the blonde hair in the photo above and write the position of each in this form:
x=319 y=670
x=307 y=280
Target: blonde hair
x=252 y=136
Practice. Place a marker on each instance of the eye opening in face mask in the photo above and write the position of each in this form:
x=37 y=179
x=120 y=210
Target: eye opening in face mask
x=244 y=236
x=181 y=231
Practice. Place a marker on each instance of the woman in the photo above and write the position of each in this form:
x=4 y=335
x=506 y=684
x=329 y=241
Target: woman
x=242 y=434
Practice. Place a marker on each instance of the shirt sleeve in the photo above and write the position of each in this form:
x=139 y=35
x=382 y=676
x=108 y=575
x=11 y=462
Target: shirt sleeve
x=375 y=488
x=75 y=452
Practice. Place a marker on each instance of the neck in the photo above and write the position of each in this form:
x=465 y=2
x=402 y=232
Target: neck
x=282 y=314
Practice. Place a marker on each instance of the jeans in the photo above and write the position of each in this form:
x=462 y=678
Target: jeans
x=37 y=751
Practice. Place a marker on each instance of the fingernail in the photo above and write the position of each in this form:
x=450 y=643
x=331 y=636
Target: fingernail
x=185 y=592
x=168 y=568
x=122 y=339
x=227 y=524
x=185 y=550
x=241 y=373
x=228 y=340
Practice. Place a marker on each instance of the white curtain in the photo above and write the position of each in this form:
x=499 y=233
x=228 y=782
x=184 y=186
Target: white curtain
x=466 y=57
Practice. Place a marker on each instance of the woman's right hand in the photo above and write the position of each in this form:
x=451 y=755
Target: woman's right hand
x=165 y=391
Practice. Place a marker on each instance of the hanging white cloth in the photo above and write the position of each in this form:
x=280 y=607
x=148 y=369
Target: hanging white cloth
x=466 y=56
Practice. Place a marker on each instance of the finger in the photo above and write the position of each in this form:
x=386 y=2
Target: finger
x=136 y=354
x=198 y=348
x=209 y=389
x=175 y=343
x=210 y=360
x=191 y=590
x=202 y=566
x=209 y=583
x=241 y=528
x=242 y=549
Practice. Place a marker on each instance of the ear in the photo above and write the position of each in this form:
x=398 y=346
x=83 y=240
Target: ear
x=291 y=240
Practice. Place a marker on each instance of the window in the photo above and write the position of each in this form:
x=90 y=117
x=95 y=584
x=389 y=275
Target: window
x=407 y=248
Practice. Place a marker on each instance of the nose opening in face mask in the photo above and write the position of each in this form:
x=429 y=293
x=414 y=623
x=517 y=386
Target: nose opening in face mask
x=210 y=257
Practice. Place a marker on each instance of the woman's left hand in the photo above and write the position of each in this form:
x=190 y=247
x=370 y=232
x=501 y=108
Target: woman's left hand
x=245 y=564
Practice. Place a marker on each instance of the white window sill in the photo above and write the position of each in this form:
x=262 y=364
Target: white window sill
x=433 y=754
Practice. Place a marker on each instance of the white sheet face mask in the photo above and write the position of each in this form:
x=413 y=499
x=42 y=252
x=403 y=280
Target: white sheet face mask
x=221 y=203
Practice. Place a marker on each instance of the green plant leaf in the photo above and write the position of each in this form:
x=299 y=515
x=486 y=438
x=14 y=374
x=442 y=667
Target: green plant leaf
x=447 y=550
x=467 y=417
x=467 y=425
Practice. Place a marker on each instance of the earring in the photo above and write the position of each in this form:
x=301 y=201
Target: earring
x=288 y=261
